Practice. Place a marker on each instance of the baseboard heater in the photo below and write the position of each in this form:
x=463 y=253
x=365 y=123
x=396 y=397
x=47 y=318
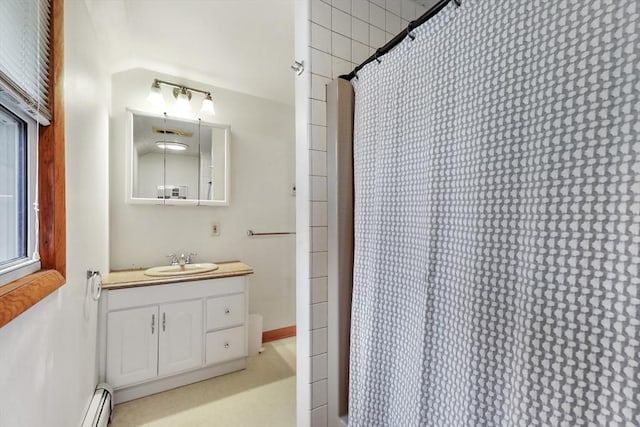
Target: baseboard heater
x=100 y=407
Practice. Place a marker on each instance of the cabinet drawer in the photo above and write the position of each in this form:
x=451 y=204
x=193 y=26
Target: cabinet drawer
x=223 y=312
x=225 y=345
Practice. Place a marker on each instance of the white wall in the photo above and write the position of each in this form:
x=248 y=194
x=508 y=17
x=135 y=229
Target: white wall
x=48 y=367
x=262 y=170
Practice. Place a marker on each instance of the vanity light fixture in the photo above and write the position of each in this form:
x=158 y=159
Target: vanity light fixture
x=155 y=95
x=207 y=105
x=171 y=145
x=183 y=96
x=182 y=99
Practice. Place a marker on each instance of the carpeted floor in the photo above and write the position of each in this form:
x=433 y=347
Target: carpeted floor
x=262 y=395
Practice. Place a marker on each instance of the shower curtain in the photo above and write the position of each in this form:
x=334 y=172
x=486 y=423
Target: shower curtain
x=497 y=220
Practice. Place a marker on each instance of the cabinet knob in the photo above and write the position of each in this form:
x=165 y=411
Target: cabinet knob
x=226 y=345
x=227 y=311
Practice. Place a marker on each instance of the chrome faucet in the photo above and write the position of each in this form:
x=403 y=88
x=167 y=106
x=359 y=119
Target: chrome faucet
x=181 y=260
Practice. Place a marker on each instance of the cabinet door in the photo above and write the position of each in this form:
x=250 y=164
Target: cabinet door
x=181 y=336
x=132 y=345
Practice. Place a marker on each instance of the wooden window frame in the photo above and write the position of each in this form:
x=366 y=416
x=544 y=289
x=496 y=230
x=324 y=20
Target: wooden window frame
x=17 y=296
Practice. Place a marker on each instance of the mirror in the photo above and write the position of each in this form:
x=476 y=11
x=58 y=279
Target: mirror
x=177 y=161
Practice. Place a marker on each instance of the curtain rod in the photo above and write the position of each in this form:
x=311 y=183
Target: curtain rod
x=401 y=36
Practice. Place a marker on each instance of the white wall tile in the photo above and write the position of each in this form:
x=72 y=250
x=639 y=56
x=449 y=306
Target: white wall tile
x=341 y=22
x=393 y=23
x=318 y=214
x=360 y=9
x=420 y=10
x=360 y=31
x=319 y=138
x=318 y=163
x=319 y=190
x=319 y=417
x=318 y=290
x=321 y=13
x=341 y=46
x=318 y=341
x=344 y=5
x=377 y=37
x=381 y=3
x=394 y=6
x=340 y=66
x=377 y=16
x=318 y=112
x=359 y=52
x=319 y=315
x=319 y=367
x=319 y=87
x=389 y=36
x=320 y=63
x=320 y=38
x=318 y=394
x=408 y=11
x=428 y=4
x=318 y=264
x=319 y=239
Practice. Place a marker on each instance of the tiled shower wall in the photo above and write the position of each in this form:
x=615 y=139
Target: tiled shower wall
x=343 y=33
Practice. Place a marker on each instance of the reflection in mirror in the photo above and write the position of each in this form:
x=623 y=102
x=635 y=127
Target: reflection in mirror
x=177 y=161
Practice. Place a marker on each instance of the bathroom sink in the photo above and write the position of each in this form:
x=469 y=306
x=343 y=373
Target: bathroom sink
x=180 y=270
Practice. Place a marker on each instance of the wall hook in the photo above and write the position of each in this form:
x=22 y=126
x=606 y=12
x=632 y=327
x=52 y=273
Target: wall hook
x=298 y=67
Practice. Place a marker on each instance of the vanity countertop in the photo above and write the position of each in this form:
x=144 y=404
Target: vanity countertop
x=135 y=278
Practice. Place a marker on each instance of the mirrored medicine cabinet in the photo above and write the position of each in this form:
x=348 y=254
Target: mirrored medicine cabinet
x=175 y=161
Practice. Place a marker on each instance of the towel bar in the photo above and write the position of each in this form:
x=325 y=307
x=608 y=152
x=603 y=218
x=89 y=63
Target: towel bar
x=251 y=233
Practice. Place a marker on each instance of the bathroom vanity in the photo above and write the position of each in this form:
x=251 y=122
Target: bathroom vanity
x=158 y=333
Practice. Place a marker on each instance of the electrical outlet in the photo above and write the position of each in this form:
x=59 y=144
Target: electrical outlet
x=215 y=229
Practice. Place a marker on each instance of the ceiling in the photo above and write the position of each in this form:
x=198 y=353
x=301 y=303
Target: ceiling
x=242 y=45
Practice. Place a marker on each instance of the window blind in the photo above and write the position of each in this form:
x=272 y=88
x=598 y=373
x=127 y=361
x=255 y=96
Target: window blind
x=24 y=54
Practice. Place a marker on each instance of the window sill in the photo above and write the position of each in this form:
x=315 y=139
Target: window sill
x=16 y=297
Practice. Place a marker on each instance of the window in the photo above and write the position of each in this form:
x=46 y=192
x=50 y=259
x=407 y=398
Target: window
x=24 y=75
x=31 y=99
x=18 y=249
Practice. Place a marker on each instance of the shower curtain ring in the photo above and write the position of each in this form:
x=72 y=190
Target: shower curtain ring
x=457 y=2
x=409 y=29
x=376 y=56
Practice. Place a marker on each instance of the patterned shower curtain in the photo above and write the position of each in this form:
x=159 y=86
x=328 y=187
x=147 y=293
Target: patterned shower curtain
x=497 y=220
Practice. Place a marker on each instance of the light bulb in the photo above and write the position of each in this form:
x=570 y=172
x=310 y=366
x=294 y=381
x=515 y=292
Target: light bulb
x=207 y=105
x=182 y=100
x=155 y=95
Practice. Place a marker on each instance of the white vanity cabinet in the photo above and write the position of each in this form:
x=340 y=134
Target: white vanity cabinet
x=226 y=329
x=132 y=345
x=143 y=343
x=158 y=337
x=180 y=336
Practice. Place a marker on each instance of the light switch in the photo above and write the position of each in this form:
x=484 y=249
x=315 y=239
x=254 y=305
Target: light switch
x=215 y=229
